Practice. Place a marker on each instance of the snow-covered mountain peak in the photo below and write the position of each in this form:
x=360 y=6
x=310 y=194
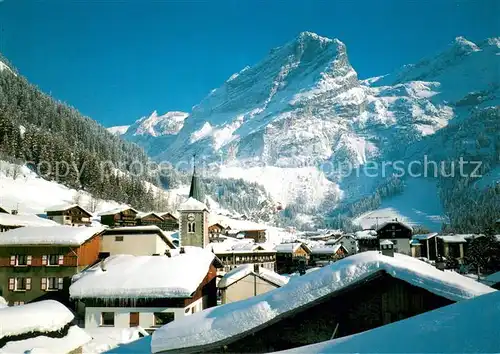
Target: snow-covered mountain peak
x=158 y=125
x=462 y=44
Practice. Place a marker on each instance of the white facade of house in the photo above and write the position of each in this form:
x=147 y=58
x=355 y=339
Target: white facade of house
x=247 y=287
x=401 y=245
x=134 y=244
x=93 y=315
x=348 y=241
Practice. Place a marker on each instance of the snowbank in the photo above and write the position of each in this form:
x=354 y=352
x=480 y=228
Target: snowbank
x=127 y=276
x=106 y=338
x=43 y=316
x=213 y=325
x=243 y=270
x=470 y=326
x=56 y=235
x=75 y=338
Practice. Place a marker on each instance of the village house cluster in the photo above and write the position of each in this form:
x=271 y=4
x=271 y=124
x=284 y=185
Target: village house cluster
x=125 y=269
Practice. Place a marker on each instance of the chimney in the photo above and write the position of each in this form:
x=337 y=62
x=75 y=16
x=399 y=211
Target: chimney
x=167 y=253
x=387 y=248
x=103 y=265
x=182 y=250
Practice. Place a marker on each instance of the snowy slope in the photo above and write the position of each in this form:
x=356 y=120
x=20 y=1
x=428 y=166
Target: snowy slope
x=470 y=326
x=4 y=66
x=118 y=130
x=222 y=322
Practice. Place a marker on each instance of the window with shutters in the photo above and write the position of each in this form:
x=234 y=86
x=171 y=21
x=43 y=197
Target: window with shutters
x=20 y=260
x=53 y=284
x=20 y=284
x=55 y=260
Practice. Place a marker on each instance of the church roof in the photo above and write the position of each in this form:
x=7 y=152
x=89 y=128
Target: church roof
x=195 y=190
x=192 y=205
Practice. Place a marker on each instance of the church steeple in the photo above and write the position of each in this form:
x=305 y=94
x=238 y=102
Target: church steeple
x=195 y=190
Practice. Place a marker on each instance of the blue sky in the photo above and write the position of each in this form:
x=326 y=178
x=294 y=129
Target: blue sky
x=119 y=60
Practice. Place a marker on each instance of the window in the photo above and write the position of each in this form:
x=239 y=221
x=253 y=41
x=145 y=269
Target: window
x=108 y=319
x=19 y=284
x=20 y=260
x=118 y=238
x=162 y=318
x=52 y=284
x=53 y=259
x=191 y=227
x=17 y=303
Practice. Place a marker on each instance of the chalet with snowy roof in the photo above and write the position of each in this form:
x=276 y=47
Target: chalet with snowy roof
x=452 y=246
x=399 y=233
x=170 y=221
x=69 y=214
x=353 y=295
x=148 y=218
x=291 y=256
x=234 y=252
x=349 y=242
x=135 y=240
x=14 y=221
x=216 y=230
x=148 y=291
x=428 y=246
x=38 y=262
x=44 y=326
x=248 y=280
x=124 y=216
x=323 y=255
x=464 y=326
x=367 y=240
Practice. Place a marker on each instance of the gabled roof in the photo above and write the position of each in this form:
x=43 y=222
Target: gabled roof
x=425 y=236
x=291 y=247
x=405 y=225
x=214 y=327
x=246 y=269
x=117 y=210
x=24 y=220
x=470 y=326
x=366 y=234
x=55 y=235
x=64 y=207
x=173 y=214
x=386 y=243
x=193 y=205
x=128 y=276
x=142 y=230
x=453 y=238
x=327 y=249
x=143 y=214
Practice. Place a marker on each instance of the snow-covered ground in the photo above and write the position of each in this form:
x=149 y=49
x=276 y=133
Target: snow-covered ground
x=106 y=338
x=469 y=326
x=216 y=324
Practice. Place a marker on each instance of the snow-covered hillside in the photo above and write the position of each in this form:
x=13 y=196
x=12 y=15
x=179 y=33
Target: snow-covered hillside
x=118 y=130
x=4 y=66
x=303 y=106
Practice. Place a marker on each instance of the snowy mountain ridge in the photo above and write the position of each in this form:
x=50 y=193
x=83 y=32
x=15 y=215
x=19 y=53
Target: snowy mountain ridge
x=303 y=106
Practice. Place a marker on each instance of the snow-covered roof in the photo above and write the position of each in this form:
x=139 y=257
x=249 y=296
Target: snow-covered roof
x=492 y=279
x=212 y=326
x=234 y=245
x=128 y=276
x=24 y=220
x=74 y=339
x=366 y=234
x=325 y=249
x=453 y=238
x=42 y=316
x=470 y=326
x=64 y=207
x=117 y=210
x=192 y=205
x=55 y=235
x=424 y=236
x=386 y=243
x=242 y=271
x=143 y=214
x=288 y=247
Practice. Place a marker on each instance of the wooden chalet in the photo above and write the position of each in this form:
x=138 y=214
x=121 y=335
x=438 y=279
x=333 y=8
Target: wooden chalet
x=367 y=240
x=321 y=256
x=119 y=217
x=348 y=297
x=69 y=214
x=38 y=262
x=291 y=256
x=428 y=246
x=149 y=218
x=398 y=233
x=170 y=221
x=215 y=231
